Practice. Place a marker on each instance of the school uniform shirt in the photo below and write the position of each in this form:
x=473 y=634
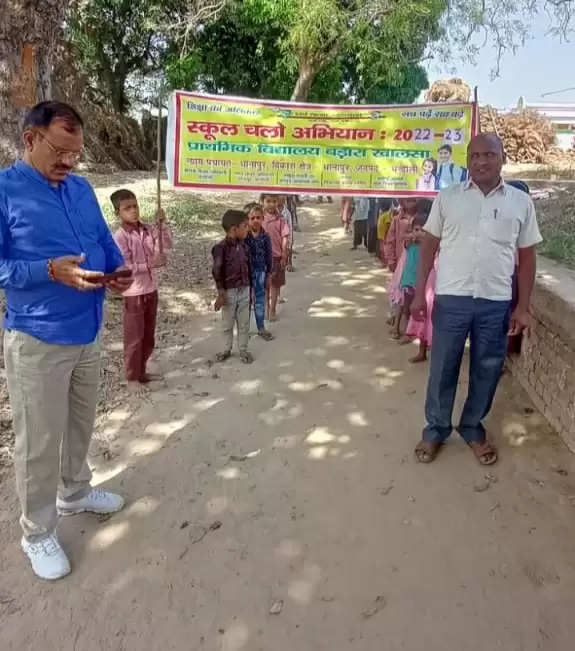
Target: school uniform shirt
x=426 y=183
x=277 y=228
x=395 y=239
x=260 y=247
x=139 y=245
x=479 y=237
x=232 y=268
x=449 y=174
x=361 y=207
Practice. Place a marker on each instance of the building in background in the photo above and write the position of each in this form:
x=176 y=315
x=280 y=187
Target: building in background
x=561 y=114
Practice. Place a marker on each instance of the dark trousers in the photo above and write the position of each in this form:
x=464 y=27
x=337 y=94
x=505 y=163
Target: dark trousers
x=372 y=238
x=139 y=333
x=486 y=323
x=360 y=232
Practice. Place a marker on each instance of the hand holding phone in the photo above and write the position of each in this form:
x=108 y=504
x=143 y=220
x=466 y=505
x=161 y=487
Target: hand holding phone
x=115 y=275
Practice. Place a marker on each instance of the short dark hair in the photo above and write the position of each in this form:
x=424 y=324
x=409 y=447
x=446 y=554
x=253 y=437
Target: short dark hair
x=121 y=195
x=446 y=147
x=233 y=218
x=263 y=195
x=254 y=205
x=424 y=207
x=385 y=204
x=419 y=220
x=43 y=114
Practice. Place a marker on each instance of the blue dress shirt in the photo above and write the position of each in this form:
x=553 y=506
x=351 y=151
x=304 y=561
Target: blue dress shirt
x=39 y=221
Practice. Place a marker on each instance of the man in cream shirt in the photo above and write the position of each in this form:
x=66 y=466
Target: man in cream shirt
x=479 y=228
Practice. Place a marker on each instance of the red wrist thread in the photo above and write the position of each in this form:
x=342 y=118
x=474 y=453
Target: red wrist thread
x=51 y=270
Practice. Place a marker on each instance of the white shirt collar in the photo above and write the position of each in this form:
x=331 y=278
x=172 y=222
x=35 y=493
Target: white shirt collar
x=470 y=183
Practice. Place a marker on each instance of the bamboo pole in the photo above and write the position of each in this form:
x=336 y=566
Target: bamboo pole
x=476 y=109
x=159 y=173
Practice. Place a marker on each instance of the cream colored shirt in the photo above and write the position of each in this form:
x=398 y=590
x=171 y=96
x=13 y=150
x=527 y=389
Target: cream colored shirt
x=479 y=237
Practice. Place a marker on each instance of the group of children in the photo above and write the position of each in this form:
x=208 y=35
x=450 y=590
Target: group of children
x=250 y=263
x=249 y=269
x=250 y=266
x=393 y=231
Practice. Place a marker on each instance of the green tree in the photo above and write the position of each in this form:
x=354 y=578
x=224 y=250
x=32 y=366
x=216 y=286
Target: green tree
x=114 y=39
x=263 y=48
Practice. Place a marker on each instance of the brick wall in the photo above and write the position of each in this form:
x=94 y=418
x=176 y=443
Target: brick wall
x=546 y=365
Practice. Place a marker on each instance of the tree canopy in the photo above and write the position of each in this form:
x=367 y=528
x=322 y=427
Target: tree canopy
x=316 y=50
x=292 y=48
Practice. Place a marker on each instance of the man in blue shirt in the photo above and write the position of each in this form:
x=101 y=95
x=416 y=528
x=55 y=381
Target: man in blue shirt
x=54 y=249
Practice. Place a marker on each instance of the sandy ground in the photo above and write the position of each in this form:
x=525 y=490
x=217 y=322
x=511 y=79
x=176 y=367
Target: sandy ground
x=290 y=486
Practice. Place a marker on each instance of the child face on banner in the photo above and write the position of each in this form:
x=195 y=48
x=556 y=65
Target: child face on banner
x=444 y=155
x=428 y=167
x=270 y=203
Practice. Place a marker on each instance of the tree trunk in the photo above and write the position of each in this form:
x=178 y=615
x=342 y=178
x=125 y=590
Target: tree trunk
x=29 y=31
x=307 y=74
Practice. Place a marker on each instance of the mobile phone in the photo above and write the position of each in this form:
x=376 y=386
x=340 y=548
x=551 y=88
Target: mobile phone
x=99 y=280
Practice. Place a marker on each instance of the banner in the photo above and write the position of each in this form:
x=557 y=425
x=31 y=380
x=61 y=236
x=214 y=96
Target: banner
x=233 y=143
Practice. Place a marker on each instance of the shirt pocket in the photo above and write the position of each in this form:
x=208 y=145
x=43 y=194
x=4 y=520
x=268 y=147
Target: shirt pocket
x=502 y=229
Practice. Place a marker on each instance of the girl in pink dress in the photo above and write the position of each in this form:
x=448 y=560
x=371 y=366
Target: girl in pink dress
x=423 y=330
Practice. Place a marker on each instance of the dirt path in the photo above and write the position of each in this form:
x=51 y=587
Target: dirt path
x=290 y=485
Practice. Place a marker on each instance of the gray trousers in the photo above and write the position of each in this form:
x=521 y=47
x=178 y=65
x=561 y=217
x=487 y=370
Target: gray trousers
x=237 y=311
x=53 y=395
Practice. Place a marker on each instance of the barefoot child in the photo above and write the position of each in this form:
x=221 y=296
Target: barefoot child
x=423 y=329
x=400 y=224
x=140 y=246
x=409 y=274
x=394 y=249
x=278 y=230
x=232 y=275
x=383 y=225
x=260 y=247
x=285 y=212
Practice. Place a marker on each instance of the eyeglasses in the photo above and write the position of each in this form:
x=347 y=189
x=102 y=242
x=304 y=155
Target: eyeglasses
x=72 y=156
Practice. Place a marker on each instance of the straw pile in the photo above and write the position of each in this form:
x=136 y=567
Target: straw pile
x=528 y=136
x=448 y=90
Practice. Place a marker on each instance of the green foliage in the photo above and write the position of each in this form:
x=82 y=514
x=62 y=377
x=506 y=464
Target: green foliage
x=319 y=50
x=257 y=49
x=236 y=54
x=114 y=39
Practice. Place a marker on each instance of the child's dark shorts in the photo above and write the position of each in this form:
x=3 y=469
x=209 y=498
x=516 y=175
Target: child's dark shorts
x=278 y=276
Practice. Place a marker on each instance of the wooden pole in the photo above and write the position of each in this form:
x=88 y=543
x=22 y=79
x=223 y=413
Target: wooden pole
x=159 y=172
x=476 y=108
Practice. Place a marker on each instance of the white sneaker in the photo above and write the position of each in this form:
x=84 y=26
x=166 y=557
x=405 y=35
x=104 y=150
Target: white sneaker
x=96 y=501
x=49 y=561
